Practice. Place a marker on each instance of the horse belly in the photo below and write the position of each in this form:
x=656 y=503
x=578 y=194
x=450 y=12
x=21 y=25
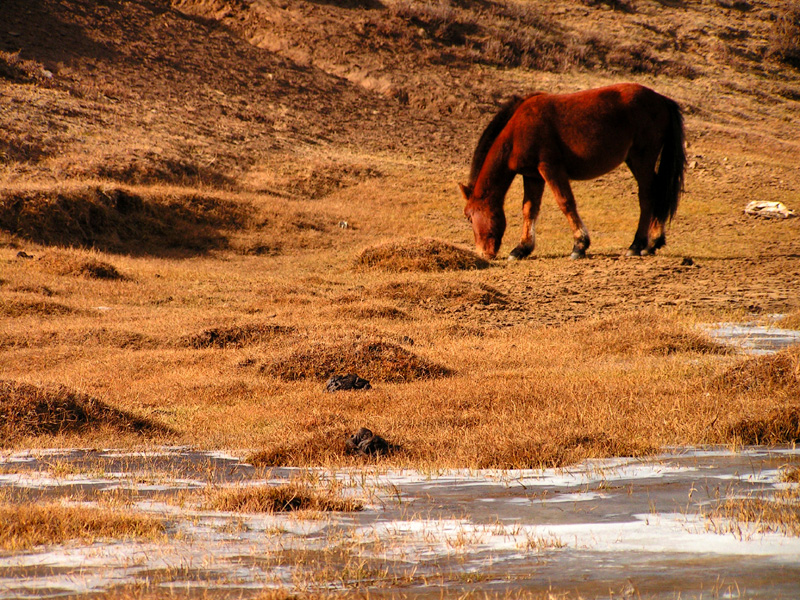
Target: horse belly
x=590 y=166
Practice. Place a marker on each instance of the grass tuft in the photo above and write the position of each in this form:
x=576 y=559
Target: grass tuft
x=780 y=514
x=28 y=410
x=374 y=360
x=316 y=447
x=120 y=220
x=773 y=372
x=27 y=525
x=512 y=453
x=417 y=254
x=440 y=294
x=647 y=332
x=238 y=336
x=780 y=426
x=288 y=497
x=362 y=313
x=785 y=38
x=14 y=307
x=790 y=321
x=72 y=262
x=790 y=474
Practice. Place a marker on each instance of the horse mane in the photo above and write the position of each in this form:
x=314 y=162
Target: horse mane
x=490 y=134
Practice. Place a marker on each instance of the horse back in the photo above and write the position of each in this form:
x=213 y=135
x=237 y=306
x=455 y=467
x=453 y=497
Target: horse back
x=586 y=133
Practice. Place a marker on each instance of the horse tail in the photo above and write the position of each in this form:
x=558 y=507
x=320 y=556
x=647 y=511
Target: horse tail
x=668 y=183
x=490 y=134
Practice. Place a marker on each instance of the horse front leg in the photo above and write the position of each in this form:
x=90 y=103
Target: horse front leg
x=559 y=183
x=531 y=202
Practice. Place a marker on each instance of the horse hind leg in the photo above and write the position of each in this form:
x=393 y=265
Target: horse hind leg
x=531 y=202
x=649 y=235
x=559 y=184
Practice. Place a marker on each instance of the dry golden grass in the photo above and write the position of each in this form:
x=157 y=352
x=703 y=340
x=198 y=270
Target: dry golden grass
x=237 y=336
x=742 y=517
x=422 y=255
x=779 y=371
x=780 y=426
x=366 y=312
x=646 y=332
x=288 y=497
x=20 y=307
x=120 y=219
x=791 y=474
x=146 y=592
x=65 y=262
x=27 y=410
x=27 y=525
x=435 y=294
x=242 y=244
x=790 y=321
x=375 y=359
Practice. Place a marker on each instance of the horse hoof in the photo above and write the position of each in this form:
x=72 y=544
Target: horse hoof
x=577 y=255
x=519 y=253
x=633 y=252
x=647 y=252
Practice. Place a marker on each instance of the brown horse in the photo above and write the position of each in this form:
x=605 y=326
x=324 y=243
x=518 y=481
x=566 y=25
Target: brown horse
x=551 y=139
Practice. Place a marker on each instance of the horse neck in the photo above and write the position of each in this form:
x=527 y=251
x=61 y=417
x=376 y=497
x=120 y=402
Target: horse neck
x=495 y=177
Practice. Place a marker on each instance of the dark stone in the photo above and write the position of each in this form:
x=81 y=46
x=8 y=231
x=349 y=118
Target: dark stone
x=687 y=262
x=366 y=443
x=350 y=381
x=23 y=254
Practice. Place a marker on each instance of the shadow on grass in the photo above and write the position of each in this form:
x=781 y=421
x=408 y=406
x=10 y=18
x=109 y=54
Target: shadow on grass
x=120 y=221
x=29 y=410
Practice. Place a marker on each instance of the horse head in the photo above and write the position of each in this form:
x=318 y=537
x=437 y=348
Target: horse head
x=488 y=224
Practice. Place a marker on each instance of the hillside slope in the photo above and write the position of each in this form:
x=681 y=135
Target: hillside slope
x=201 y=90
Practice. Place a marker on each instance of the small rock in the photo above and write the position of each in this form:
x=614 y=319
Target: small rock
x=350 y=381
x=343 y=224
x=366 y=443
x=23 y=254
x=687 y=261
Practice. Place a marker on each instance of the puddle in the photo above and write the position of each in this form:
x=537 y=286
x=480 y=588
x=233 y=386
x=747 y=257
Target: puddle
x=603 y=527
x=752 y=338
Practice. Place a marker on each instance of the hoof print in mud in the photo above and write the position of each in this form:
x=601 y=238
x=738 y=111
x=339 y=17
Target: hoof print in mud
x=350 y=381
x=365 y=443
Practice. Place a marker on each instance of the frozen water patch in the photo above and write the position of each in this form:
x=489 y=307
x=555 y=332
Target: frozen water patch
x=752 y=338
x=598 y=526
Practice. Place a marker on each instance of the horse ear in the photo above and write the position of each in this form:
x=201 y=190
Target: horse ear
x=466 y=190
